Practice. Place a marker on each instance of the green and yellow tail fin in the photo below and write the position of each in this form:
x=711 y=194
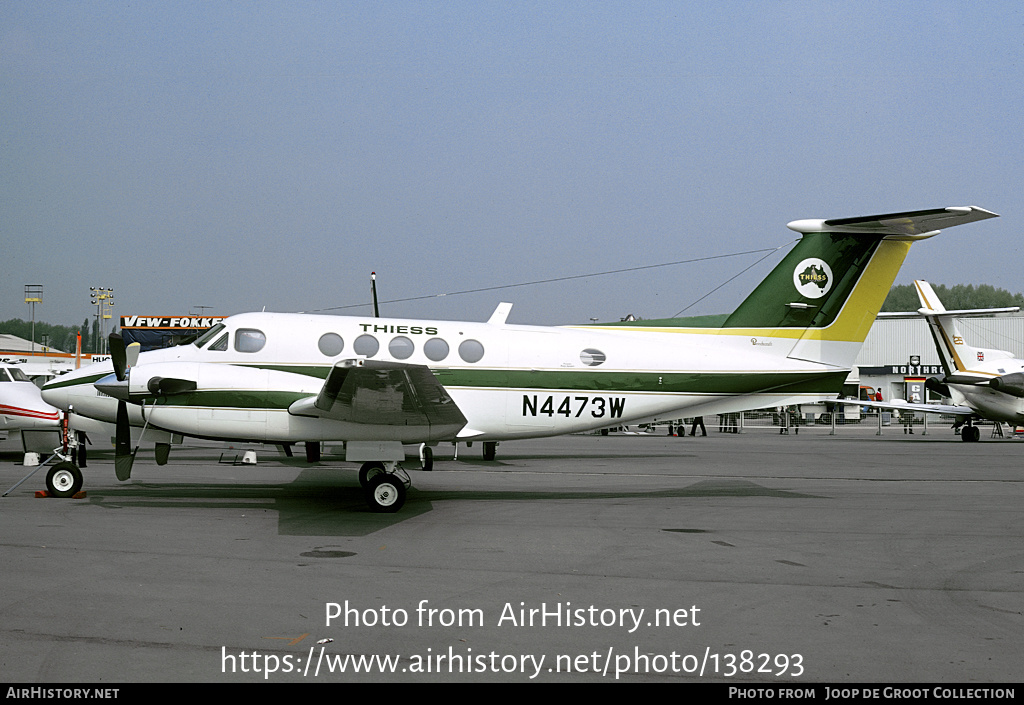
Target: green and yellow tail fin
x=837 y=277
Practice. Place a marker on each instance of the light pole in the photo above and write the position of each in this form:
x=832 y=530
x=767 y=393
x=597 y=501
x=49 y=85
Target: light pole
x=33 y=296
x=103 y=299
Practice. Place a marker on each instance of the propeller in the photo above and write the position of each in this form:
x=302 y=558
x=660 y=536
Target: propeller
x=124 y=457
x=118 y=386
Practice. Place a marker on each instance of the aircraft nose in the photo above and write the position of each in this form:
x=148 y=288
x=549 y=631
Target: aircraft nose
x=55 y=396
x=68 y=390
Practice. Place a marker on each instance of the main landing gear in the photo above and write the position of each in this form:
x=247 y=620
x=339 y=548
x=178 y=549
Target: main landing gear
x=384 y=484
x=490 y=449
x=970 y=433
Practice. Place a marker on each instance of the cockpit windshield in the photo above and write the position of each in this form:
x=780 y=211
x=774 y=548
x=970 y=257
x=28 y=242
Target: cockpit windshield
x=209 y=335
x=12 y=374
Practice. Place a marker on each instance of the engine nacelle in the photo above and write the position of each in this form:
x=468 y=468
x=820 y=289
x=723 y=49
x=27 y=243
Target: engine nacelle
x=1012 y=384
x=938 y=385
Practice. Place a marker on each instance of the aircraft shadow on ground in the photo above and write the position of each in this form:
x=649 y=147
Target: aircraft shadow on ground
x=314 y=504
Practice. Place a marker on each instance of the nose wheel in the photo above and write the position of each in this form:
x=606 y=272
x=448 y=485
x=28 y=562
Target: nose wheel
x=64 y=480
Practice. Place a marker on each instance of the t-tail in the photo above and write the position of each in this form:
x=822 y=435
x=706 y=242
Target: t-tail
x=956 y=353
x=826 y=293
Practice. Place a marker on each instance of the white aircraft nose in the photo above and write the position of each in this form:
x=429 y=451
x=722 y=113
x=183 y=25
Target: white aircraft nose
x=22 y=407
x=55 y=396
x=66 y=390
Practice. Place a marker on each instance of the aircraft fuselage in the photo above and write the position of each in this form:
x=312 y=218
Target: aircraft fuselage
x=509 y=381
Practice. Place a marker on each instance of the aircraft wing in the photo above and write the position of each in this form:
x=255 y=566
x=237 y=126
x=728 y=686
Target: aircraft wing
x=900 y=405
x=378 y=393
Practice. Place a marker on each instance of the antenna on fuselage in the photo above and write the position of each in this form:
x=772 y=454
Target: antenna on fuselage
x=373 y=290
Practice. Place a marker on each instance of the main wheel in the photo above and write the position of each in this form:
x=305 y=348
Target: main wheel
x=490 y=449
x=428 y=458
x=385 y=493
x=370 y=470
x=64 y=480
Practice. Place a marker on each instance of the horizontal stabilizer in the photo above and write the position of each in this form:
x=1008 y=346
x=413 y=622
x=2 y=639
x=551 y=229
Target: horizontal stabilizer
x=913 y=225
x=960 y=313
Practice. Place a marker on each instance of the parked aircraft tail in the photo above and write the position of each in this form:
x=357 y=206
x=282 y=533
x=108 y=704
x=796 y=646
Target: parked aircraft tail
x=837 y=277
x=827 y=291
x=956 y=353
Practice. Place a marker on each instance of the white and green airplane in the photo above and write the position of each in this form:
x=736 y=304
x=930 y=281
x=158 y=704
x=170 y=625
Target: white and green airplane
x=378 y=383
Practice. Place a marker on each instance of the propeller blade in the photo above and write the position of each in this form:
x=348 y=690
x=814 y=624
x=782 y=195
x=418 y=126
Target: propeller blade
x=118 y=356
x=123 y=455
x=132 y=354
x=123 y=466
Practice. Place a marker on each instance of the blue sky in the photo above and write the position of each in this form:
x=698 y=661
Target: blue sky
x=272 y=154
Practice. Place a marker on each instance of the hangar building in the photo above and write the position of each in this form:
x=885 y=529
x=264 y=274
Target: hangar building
x=884 y=362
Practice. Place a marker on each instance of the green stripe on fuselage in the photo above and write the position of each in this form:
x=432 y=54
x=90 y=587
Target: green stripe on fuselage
x=231 y=398
x=645 y=382
x=690 y=383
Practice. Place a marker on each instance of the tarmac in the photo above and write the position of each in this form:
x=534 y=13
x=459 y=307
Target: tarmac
x=742 y=558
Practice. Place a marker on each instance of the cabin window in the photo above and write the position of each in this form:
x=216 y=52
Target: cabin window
x=401 y=348
x=249 y=340
x=592 y=357
x=331 y=344
x=209 y=335
x=366 y=345
x=471 y=351
x=435 y=349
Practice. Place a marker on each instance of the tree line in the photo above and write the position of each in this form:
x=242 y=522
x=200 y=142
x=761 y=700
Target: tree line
x=903 y=297
x=63 y=338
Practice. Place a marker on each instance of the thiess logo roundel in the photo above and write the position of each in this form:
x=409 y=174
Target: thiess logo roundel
x=812 y=278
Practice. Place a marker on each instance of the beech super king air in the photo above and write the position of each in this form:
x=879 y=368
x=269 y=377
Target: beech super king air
x=377 y=384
